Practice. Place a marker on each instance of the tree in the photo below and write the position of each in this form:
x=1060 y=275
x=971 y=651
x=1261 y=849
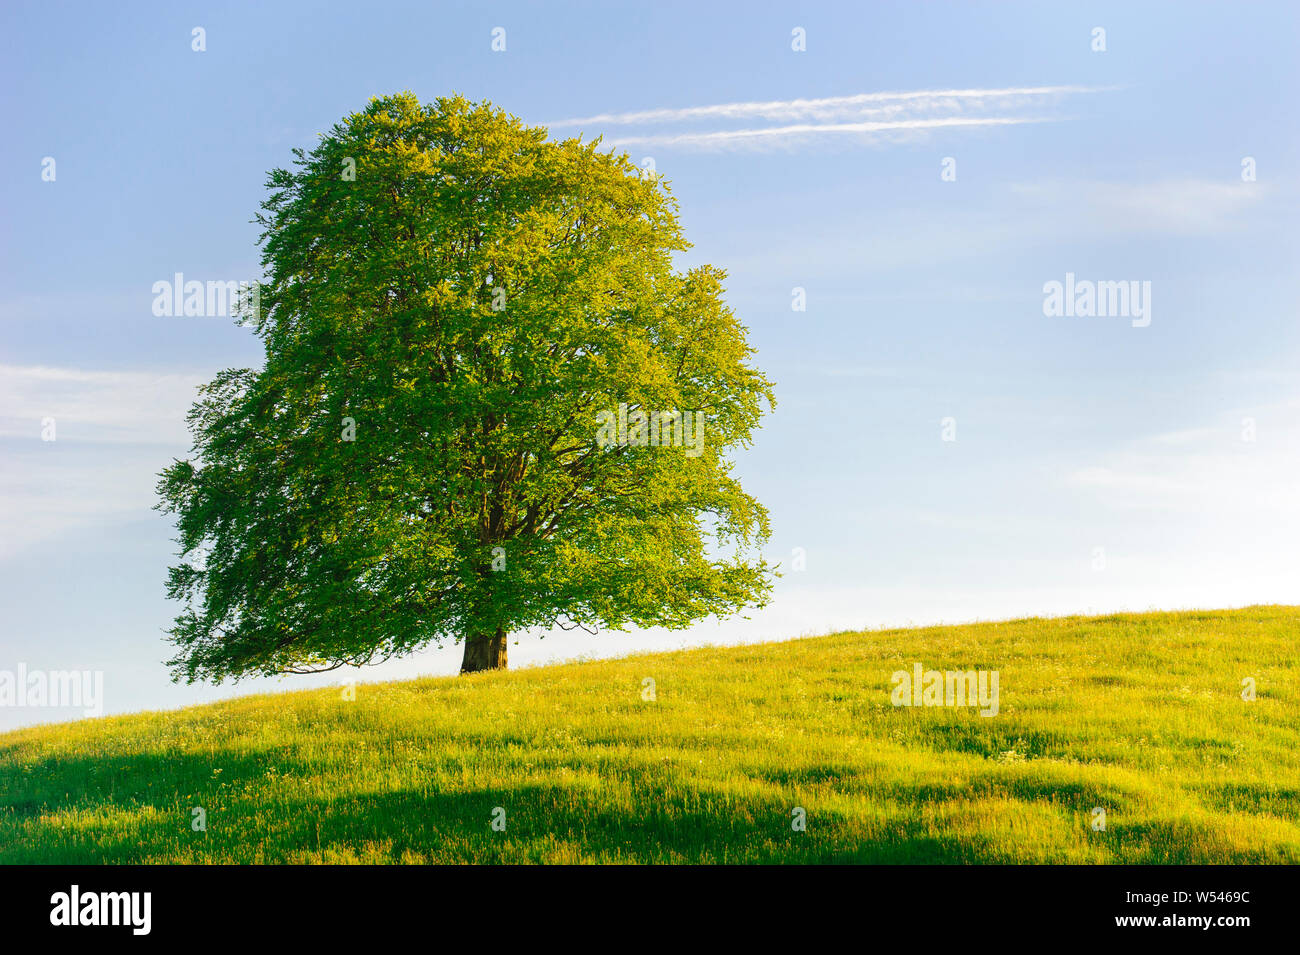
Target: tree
x=482 y=388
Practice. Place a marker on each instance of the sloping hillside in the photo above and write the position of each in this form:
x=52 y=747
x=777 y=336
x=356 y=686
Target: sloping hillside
x=1141 y=716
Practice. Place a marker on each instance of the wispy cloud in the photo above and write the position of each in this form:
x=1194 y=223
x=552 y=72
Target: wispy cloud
x=868 y=115
x=723 y=139
x=114 y=431
x=1215 y=472
x=1179 y=206
x=832 y=107
x=51 y=491
x=134 y=407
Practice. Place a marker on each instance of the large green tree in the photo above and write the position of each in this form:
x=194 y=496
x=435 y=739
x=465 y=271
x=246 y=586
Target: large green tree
x=474 y=336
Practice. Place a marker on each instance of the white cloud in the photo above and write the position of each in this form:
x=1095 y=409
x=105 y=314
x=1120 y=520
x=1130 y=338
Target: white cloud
x=1186 y=436
x=801 y=132
x=49 y=491
x=97 y=406
x=1138 y=485
x=1209 y=473
x=114 y=430
x=1014 y=217
x=1181 y=206
x=832 y=107
x=871 y=117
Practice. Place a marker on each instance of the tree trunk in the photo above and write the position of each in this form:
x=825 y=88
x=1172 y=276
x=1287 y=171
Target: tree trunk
x=484 y=651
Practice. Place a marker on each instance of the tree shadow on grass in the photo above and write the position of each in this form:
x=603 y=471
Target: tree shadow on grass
x=135 y=809
x=139 y=808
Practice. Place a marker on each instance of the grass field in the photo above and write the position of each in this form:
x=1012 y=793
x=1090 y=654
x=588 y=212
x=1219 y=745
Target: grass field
x=1141 y=715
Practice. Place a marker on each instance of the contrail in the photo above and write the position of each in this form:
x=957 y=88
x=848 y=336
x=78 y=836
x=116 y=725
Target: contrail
x=756 y=136
x=826 y=107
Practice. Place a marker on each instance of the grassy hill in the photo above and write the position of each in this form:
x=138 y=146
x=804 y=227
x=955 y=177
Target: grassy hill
x=1141 y=715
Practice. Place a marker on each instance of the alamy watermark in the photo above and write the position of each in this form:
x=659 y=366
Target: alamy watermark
x=212 y=299
x=924 y=687
x=1087 y=299
x=655 y=429
x=53 y=688
x=75 y=907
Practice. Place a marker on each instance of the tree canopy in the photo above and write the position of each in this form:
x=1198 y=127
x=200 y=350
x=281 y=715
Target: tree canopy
x=478 y=414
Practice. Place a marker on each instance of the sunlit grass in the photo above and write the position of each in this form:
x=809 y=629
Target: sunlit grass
x=1140 y=715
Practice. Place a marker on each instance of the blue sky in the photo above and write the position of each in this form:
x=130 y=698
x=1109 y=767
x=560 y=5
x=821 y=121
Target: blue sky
x=1097 y=466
